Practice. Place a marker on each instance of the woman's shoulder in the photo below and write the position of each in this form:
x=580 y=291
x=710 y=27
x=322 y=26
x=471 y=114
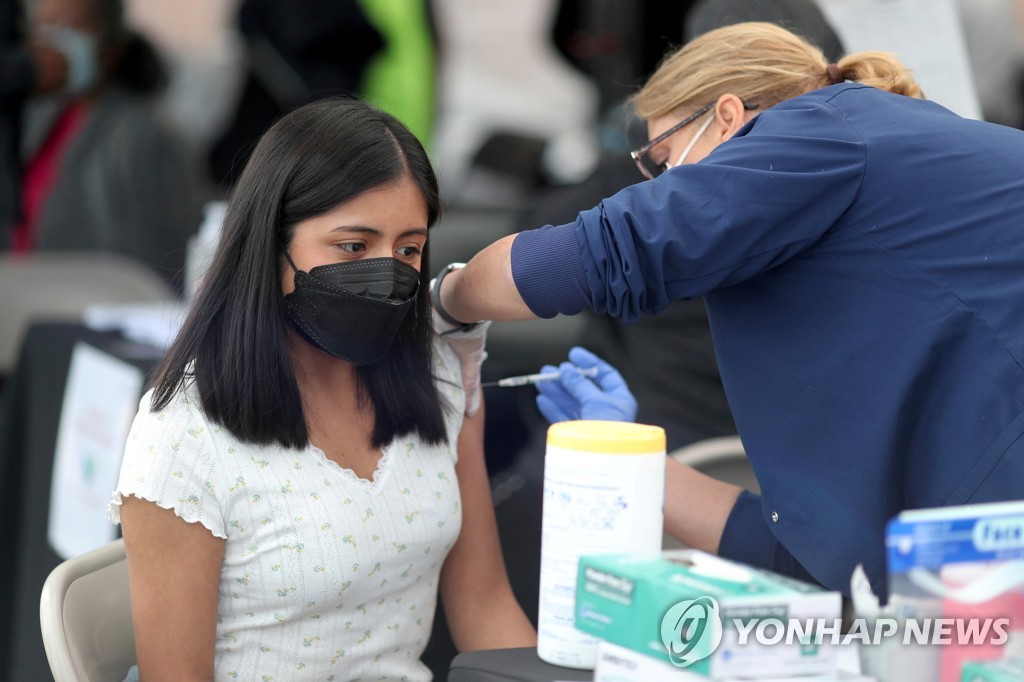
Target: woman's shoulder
x=181 y=412
x=173 y=458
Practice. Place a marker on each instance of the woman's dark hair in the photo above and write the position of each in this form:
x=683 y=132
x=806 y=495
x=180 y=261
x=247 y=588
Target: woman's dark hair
x=237 y=332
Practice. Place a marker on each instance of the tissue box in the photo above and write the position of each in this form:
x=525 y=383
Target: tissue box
x=1009 y=670
x=648 y=602
x=619 y=664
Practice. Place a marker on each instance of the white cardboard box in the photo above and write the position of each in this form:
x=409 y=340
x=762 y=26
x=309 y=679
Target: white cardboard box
x=619 y=664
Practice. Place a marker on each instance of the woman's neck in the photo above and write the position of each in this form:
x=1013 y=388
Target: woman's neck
x=339 y=418
x=323 y=380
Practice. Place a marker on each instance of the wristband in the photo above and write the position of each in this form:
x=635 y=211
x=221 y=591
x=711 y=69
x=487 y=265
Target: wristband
x=435 y=299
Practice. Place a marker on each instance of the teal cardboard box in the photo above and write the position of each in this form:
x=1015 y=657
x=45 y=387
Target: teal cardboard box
x=1006 y=670
x=707 y=615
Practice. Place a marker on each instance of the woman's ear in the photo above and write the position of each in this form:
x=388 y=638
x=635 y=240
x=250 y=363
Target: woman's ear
x=730 y=116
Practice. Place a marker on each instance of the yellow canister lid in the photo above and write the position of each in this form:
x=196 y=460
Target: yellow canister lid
x=605 y=437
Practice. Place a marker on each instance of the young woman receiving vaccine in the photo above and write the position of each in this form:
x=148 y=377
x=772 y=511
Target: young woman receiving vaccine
x=301 y=480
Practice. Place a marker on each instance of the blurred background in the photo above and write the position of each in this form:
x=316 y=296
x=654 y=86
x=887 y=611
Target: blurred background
x=123 y=124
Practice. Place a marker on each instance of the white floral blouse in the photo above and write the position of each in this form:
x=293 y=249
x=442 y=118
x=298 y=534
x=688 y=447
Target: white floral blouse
x=326 y=576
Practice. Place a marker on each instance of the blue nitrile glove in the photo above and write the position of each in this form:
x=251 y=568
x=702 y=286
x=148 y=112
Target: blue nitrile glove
x=574 y=396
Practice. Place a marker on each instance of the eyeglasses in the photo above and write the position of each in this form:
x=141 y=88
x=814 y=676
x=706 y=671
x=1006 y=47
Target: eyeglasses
x=641 y=157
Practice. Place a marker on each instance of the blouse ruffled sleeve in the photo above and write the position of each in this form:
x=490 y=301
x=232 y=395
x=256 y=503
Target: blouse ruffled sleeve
x=170 y=460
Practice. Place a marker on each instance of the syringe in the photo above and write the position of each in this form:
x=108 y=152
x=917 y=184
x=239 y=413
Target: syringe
x=529 y=379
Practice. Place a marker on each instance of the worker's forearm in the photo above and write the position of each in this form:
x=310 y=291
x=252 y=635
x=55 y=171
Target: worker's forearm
x=696 y=506
x=484 y=289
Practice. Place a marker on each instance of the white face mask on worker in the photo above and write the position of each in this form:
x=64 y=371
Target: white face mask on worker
x=700 y=131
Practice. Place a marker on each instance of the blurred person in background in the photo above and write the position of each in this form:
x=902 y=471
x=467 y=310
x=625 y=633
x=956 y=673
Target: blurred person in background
x=24 y=68
x=297 y=52
x=236 y=65
x=205 y=57
x=104 y=172
x=512 y=111
x=802 y=17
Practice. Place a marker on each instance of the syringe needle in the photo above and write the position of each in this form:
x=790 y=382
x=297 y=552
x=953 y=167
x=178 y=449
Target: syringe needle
x=530 y=379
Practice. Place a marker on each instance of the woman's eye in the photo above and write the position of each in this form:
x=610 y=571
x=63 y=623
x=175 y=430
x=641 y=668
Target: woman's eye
x=352 y=247
x=409 y=251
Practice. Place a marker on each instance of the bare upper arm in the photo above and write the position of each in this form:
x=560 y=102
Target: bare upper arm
x=174 y=575
x=474 y=582
x=475 y=561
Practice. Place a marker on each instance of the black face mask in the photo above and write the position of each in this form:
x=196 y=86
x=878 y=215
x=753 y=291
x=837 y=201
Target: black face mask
x=353 y=310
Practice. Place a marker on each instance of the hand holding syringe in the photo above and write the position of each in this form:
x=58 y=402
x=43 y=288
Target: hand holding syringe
x=586 y=387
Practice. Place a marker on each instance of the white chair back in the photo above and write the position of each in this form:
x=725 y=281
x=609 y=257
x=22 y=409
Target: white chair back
x=709 y=451
x=86 y=619
x=722 y=458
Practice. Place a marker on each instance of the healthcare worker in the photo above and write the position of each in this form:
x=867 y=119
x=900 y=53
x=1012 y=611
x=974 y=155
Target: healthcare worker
x=861 y=251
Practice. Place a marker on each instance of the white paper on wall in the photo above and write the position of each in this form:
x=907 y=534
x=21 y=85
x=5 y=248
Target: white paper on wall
x=100 y=401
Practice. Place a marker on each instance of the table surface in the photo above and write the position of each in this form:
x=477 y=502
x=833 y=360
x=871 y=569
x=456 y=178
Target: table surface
x=29 y=416
x=511 y=665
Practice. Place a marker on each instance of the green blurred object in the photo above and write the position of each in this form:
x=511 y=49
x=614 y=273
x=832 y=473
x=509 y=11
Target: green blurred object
x=1006 y=670
x=400 y=79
